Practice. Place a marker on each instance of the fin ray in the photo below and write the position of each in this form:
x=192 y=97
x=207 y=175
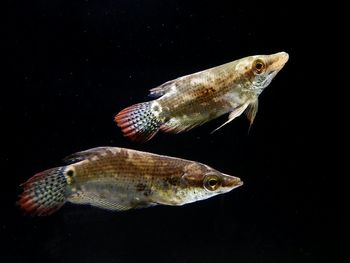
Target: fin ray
x=44 y=193
x=138 y=122
x=97 y=201
x=252 y=111
x=84 y=155
x=177 y=126
x=161 y=90
x=234 y=114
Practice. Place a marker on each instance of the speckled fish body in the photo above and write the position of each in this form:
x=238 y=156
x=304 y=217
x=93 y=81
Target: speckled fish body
x=121 y=179
x=192 y=100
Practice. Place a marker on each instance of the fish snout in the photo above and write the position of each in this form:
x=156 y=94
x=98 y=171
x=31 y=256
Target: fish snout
x=231 y=181
x=283 y=57
x=278 y=60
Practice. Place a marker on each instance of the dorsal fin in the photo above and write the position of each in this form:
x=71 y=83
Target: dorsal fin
x=83 y=155
x=162 y=89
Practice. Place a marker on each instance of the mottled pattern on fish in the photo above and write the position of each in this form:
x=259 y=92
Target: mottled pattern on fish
x=121 y=179
x=192 y=100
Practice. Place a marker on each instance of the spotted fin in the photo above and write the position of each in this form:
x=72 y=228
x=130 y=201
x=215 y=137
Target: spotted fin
x=234 y=114
x=138 y=122
x=162 y=89
x=44 y=193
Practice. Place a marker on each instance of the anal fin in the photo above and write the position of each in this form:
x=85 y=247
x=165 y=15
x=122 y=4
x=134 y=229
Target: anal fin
x=178 y=125
x=98 y=201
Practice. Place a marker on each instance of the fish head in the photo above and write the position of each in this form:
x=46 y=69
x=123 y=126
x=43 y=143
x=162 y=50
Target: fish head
x=200 y=182
x=260 y=70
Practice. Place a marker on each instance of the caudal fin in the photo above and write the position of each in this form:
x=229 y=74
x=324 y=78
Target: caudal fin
x=138 y=122
x=44 y=193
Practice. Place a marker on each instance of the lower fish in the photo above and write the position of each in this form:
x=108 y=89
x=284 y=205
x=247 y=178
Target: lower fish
x=192 y=100
x=121 y=179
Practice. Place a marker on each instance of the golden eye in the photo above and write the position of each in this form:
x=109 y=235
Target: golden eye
x=259 y=66
x=212 y=182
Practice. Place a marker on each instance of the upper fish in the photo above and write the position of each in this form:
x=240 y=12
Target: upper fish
x=189 y=101
x=120 y=179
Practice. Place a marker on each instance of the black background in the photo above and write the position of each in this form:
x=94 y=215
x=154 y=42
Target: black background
x=74 y=64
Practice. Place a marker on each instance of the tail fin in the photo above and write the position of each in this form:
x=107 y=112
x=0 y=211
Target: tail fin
x=138 y=122
x=44 y=193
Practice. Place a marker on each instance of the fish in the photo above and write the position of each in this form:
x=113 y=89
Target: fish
x=186 y=102
x=119 y=179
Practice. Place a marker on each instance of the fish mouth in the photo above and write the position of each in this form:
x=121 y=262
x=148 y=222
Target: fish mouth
x=232 y=182
x=277 y=61
x=238 y=184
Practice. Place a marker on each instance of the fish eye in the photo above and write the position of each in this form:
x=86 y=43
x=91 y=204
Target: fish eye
x=259 y=66
x=212 y=182
x=70 y=173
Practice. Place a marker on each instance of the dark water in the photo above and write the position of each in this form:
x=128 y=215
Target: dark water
x=75 y=64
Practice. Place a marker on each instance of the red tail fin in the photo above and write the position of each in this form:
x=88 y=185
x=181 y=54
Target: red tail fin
x=44 y=193
x=138 y=122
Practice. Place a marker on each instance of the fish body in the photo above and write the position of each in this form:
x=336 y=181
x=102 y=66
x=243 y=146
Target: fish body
x=189 y=101
x=121 y=179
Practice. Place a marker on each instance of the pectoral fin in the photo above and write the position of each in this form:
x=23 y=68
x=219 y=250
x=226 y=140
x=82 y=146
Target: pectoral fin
x=234 y=114
x=251 y=111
